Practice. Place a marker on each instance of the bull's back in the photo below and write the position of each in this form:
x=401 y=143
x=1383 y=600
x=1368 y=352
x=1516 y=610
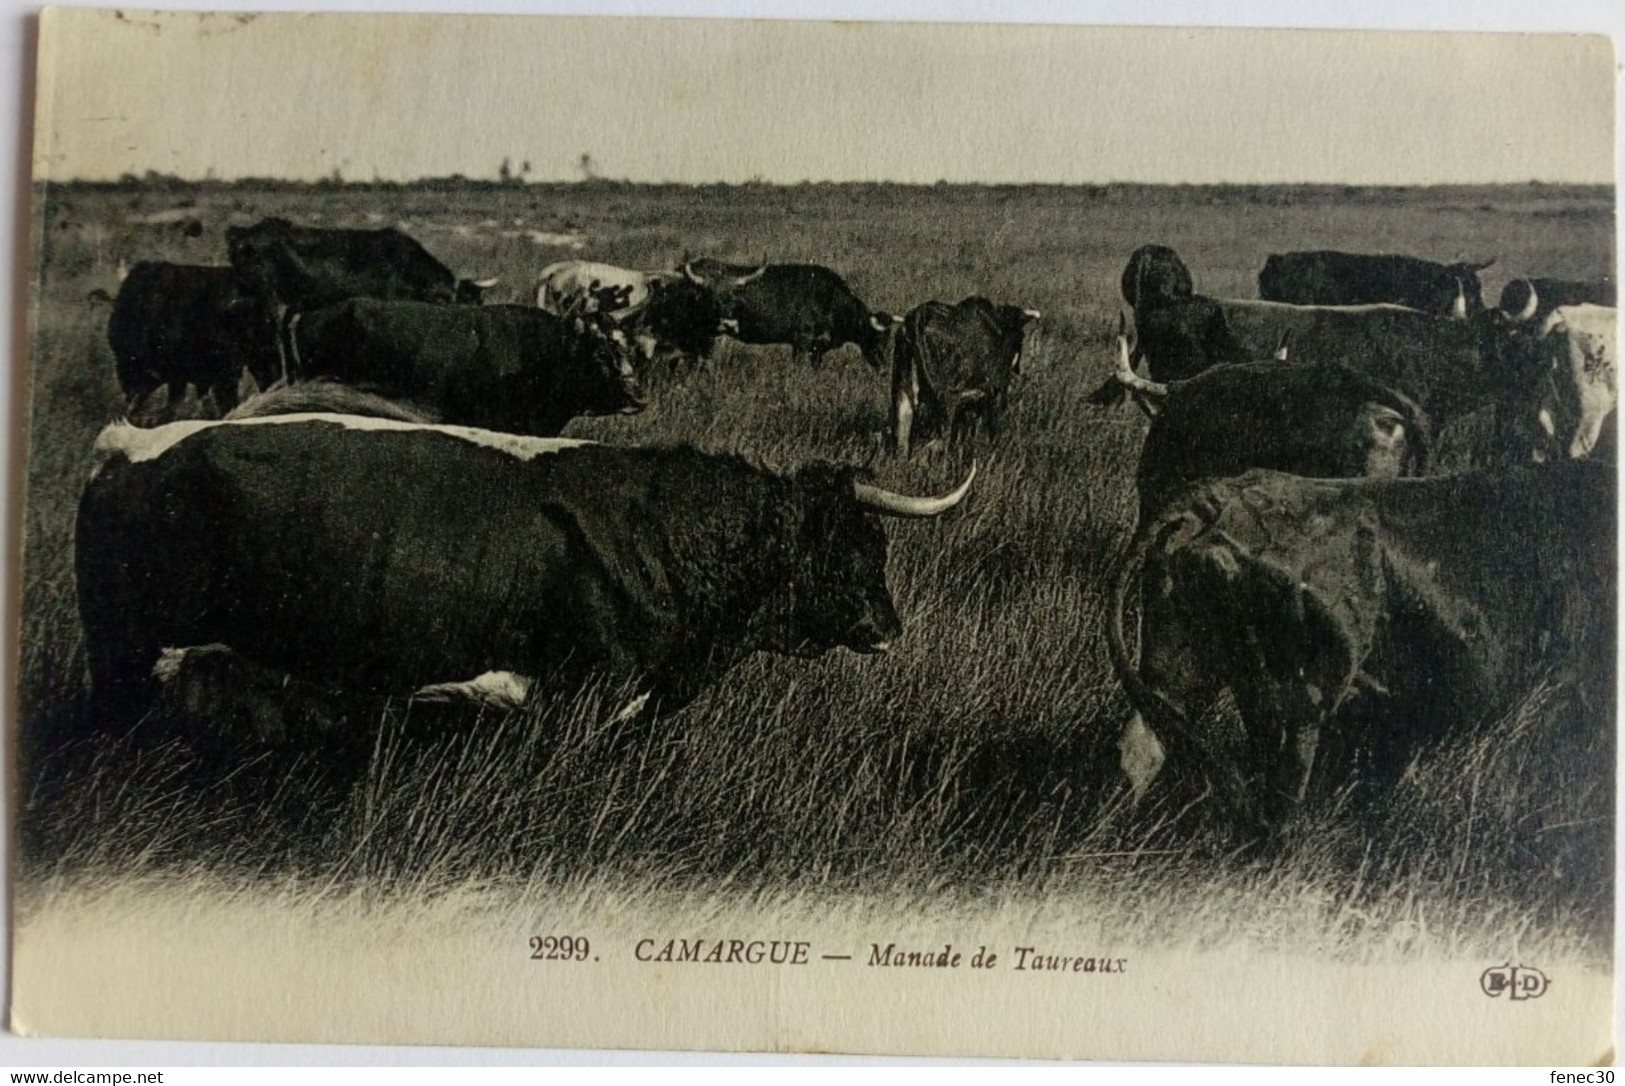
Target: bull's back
x=787 y=298
x=1305 y=419
x=1514 y=564
x=1407 y=349
x=1339 y=279
x=955 y=348
x=407 y=346
x=365 y=557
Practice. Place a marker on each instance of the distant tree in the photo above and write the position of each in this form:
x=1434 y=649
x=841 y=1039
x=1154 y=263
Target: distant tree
x=588 y=168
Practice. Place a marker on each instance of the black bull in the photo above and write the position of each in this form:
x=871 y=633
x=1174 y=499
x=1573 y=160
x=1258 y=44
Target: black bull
x=807 y=306
x=501 y=367
x=1449 y=367
x=301 y=267
x=379 y=557
x=178 y=324
x=1308 y=419
x=1375 y=612
x=1326 y=277
x=952 y=367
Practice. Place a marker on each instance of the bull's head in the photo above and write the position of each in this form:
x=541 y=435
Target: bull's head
x=472 y=291
x=1155 y=276
x=1519 y=300
x=876 y=337
x=1458 y=293
x=835 y=594
x=720 y=279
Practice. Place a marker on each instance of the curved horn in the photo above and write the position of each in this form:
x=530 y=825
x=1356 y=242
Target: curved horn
x=757 y=274
x=1527 y=313
x=1125 y=372
x=691 y=275
x=1458 y=308
x=1281 y=345
x=1032 y=314
x=901 y=505
x=486 y=284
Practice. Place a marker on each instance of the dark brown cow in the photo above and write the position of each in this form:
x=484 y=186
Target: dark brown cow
x=1389 y=608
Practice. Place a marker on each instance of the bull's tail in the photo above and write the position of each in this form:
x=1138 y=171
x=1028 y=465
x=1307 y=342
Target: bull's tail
x=1156 y=709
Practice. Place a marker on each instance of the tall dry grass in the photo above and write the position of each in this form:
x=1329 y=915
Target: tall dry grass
x=978 y=753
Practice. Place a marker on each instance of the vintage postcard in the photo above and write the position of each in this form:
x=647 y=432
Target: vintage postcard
x=819 y=537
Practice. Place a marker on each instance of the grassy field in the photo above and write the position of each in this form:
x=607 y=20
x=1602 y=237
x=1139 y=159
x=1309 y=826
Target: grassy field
x=980 y=753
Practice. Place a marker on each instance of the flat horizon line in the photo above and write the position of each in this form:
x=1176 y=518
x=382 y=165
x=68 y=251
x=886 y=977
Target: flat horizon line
x=151 y=178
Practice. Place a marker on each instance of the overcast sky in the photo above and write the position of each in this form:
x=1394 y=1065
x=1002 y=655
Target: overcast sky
x=701 y=100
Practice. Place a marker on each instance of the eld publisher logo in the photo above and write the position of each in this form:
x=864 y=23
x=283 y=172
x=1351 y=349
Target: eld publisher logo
x=1516 y=981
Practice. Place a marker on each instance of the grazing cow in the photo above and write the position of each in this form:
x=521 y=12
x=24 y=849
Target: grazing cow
x=806 y=306
x=1325 y=277
x=1310 y=419
x=1378 y=612
x=952 y=366
x=502 y=367
x=664 y=315
x=179 y=324
x=303 y=267
x=1579 y=353
x=374 y=556
x=1532 y=300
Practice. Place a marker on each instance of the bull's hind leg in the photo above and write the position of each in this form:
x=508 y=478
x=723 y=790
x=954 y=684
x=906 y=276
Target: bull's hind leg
x=1283 y=741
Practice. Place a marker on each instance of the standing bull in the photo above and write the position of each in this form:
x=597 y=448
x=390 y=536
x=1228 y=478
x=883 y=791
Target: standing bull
x=502 y=367
x=952 y=367
x=806 y=306
x=179 y=324
x=375 y=556
x=303 y=267
x=1327 y=277
x=1381 y=610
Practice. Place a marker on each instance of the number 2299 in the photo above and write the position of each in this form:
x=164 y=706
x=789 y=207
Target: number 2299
x=559 y=948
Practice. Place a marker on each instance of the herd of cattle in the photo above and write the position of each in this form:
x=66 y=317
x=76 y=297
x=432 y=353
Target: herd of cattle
x=395 y=514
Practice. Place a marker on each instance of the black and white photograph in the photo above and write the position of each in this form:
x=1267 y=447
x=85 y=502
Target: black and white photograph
x=921 y=539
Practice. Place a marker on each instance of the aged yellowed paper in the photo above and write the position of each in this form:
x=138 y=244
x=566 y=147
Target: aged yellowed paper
x=740 y=535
